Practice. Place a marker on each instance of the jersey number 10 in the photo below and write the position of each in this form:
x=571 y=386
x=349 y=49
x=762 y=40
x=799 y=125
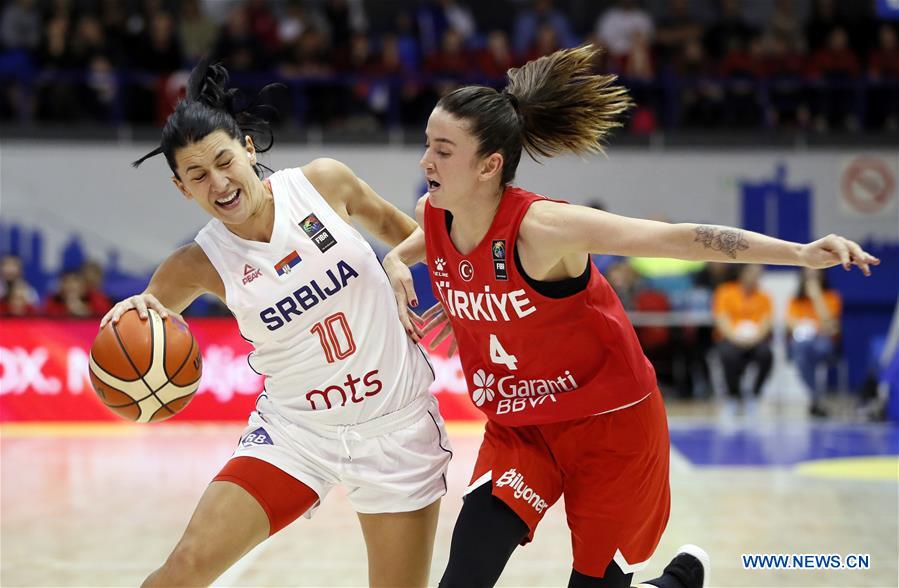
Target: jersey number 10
x=336 y=345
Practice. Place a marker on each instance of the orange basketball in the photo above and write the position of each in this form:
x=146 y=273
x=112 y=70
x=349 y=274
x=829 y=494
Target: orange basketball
x=145 y=370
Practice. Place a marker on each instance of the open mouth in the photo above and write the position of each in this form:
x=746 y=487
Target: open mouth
x=433 y=185
x=230 y=201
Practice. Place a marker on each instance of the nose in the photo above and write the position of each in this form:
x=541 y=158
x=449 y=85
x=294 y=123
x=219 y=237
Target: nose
x=423 y=163
x=219 y=181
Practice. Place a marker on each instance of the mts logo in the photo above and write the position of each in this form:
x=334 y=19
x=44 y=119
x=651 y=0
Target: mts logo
x=357 y=394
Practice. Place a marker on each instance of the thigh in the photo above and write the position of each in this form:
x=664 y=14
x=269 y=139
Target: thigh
x=521 y=471
x=400 y=545
x=617 y=495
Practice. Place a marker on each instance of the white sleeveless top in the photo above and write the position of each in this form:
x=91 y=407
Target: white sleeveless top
x=319 y=311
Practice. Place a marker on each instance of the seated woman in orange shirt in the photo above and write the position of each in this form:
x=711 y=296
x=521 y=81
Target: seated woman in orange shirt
x=813 y=319
x=743 y=318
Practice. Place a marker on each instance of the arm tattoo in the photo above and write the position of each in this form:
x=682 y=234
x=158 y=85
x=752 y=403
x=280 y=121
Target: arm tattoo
x=728 y=241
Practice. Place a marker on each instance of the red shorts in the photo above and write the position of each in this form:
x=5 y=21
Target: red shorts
x=612 y=469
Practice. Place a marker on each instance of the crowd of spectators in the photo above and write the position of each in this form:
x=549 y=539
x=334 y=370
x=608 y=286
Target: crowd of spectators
x=699 y=63
x=78 y=293
x=722 y=317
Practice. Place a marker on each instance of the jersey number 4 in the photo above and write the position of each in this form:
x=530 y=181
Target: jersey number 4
x=500 y=356
x=336 y=345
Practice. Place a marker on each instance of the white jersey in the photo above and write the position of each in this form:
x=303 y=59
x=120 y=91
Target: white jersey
x=319 y=311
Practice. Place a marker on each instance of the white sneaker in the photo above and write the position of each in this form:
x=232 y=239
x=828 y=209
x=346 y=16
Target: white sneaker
x=691 y=565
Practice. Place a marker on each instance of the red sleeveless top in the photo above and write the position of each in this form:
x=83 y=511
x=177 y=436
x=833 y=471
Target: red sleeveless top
x=529 y=358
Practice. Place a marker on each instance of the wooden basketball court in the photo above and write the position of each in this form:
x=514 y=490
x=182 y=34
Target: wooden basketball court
x=102 y=505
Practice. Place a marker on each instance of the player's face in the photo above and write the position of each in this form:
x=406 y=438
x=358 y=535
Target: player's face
x=217 y=172
x=450 y=160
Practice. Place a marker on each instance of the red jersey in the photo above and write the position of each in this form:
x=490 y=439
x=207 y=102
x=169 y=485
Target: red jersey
x=530 y=358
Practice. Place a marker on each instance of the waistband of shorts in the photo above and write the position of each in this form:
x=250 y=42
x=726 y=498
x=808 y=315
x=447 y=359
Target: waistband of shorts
x=392 y=421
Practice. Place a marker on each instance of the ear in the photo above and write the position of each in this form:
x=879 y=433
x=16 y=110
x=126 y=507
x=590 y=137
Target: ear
x=491 y=167
x=181 y=187
x=251 y=148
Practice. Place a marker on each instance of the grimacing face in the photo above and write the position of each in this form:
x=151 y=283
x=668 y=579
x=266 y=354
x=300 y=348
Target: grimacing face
x=453 y=169
x=217 y=173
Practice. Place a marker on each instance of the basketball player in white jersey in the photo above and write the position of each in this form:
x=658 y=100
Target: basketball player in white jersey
x=346 y=397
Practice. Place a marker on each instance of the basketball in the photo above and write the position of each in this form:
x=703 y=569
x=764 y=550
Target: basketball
x=145 y=370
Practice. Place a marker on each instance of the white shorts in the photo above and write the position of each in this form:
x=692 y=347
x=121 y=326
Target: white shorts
x=393 y=463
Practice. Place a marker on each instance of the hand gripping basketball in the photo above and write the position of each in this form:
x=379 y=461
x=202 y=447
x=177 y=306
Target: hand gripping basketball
x=140 y=302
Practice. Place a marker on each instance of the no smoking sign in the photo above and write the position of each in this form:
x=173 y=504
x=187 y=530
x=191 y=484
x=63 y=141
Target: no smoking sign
x=868 y=185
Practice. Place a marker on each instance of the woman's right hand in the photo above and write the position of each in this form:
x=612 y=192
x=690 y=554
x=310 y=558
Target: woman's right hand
x=140 y=302
x=404 y=291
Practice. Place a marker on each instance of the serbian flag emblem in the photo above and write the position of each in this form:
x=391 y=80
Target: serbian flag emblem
x=283 y=267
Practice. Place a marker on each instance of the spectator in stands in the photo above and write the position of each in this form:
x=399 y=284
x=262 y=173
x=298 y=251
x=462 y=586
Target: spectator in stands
x=452 y=61
x=70 y=298
x=624 y=279
x=823 y=20
x=545 y=42
x=620 y=26
x=541 y=13
x=20 y=26
x=263 y=25
x=743 y=68
x=57 y=98
x=18 y=301
x=161 y=50
x=784 y=24
x=196 y=31
x=12 y=277
x=701 y=96
x=813 y=322
x=784 y=67
x=435 y=17
x=97 y=300
x=236 y=44
x=496 y=57
x=883 y=75
x=838 y=66
x=676 y=30
x=729 y=27
x=743 y=316
x=345 y=18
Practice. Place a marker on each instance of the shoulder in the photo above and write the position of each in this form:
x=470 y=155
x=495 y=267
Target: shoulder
x=543 y=215
x=334 y=180
x=190 y=263
x=328 y=174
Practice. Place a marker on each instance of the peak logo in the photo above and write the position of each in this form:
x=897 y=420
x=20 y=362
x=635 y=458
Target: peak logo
x=250 y=273
x=515 y=481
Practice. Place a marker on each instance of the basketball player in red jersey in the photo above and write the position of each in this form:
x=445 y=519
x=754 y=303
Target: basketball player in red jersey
x=548 y=352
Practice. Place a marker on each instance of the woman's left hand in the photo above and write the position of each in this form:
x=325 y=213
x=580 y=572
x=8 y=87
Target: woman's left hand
x=436 y=317
x=835 y=250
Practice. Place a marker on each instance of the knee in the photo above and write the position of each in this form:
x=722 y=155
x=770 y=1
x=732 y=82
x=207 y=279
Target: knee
x=185 y=566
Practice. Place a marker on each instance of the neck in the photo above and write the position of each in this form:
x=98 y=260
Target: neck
x=472 y=218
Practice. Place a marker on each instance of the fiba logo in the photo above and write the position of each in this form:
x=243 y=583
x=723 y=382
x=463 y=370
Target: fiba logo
x=483 y=391
x=466 y=270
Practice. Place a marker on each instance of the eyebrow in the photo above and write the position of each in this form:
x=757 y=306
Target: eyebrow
x=441 y=140
x=217 y=155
